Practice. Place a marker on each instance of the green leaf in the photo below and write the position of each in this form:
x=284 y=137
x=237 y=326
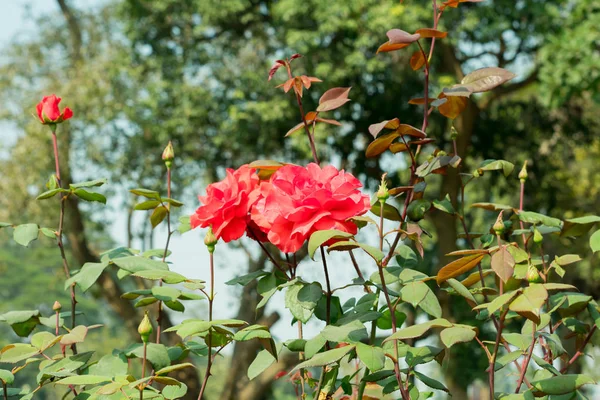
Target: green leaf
x=414 y=293
x=325 y=358
x=51 y=193
x=25 y=234
x=506 y=359
x=263 y=360
x=252 y=332
x=462 y=291
x=314 y=345
x=431 y=304
x=77 y=335
x=173 y=202
x=109 y=365
x=184 y=225
x=22 y=322
x=6 y=377
x=149 y=194
x=498 y=302
x=406 y=257
x=432 y=383
x=89 y=196
x=5 y=225
x=44 y=340
x=158 y=215
x=157 y=354
x=390 y=212
x=175 y=305
x=174 y=392
x=385 y=321
x=456 y=334
x=301 y=310
x=137 y=264
x=93 y=183
x=419 y=330
x=147 y=205
x=166 y=276
x=531 y=217
x=171 y=368
x=495 y=165
x=87 y=275
x=246 y=279
x=444 y=205
x=351 y=332
x=13 y=353
x=595 y=241
x=84 y=380
x=579 y=226
x=372 y=251
x=529 y=303
x=318 y=238
x=165 y=293
x=372 y=357
x=146 y=301
x=190 y=327
x=562 y=384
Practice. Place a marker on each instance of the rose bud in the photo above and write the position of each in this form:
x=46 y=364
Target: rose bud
x=49 y=113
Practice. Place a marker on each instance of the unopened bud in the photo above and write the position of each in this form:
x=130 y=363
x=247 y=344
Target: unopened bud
x=537 y=236
x=210 y=240
x=145 y=328
x=57 y=306
x=441 y=153
x=383 y=193
x=533 y=276
x=168 y=155
x=523 y=172
x=477 y=173
x=499 y=225
x=453 y=133
x=52 y=182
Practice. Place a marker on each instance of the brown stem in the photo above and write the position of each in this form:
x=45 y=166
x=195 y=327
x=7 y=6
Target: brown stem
x=301 y=358
x=526 y=363
x=5 y=390
x=59 y=233
x=580 y=350
x=357 y=269
x=495 y=353
x=209 y=336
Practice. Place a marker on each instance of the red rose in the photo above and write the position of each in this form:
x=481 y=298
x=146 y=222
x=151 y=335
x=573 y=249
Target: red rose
x=227 y=204
x=298 y=201
x=49 y=113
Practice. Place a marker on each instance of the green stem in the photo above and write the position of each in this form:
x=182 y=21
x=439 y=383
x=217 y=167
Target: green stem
x=363 y=383
x=143 y=369
x=327 y=316
x=169 y=233
x=209 y=335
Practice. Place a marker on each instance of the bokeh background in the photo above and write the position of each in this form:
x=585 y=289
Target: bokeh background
x=139 y=73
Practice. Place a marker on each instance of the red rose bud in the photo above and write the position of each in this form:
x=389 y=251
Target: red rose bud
x=168 y=155
x=145 y=328
x=49 y=113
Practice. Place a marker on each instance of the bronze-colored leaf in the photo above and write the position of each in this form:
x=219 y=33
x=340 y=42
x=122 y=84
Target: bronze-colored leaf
x=417 y=60
x=408 y=130
x=453 y=106
x=275 y=67
x=458 y=267
x=503 y=264
x=387 y=47
x=399 y=190
x=422 y=141
x=381 y=144
x=431 y=33
x=398 y=147
x=333 y=98
x=485 y=79
x=475 y=277
x=468 y=252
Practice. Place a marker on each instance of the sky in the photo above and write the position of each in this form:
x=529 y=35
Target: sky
x=189 y=255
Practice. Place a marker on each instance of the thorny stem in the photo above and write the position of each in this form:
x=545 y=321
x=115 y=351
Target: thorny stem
x=311 y=139
x=363 y=383
x=580 y=350
x=327 y=317
x=301 y=358
x=526 y=362
x=209 y=335
x=169 y=233
x=59 y=233
x=495 y=353
x=391 y=307
x=357 y=269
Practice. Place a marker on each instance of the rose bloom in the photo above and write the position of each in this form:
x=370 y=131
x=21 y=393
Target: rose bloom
x=49 y=113
x=227 y=204
x=298 y=201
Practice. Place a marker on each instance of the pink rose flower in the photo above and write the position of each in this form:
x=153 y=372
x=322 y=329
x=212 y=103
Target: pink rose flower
x=49 y=113
x=298 y=201
x=227 y=204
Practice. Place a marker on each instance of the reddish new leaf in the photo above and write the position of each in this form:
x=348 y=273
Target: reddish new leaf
x=398 y=147
x=419 y=101
x=453 y=106
x=398 y=36
x=275 y=67
x=458 y=267
x=417 y=60
x=387 y=124
x=408 y=130
x=381 y=144
x=333 y=98
x=387 y=47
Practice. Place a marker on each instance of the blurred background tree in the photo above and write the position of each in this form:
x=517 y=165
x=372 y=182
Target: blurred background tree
x=139 y=73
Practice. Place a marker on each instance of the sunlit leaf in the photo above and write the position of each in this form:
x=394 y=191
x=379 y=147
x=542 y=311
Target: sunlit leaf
x=458 y=267
x=417 y=60
x=485 y=79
